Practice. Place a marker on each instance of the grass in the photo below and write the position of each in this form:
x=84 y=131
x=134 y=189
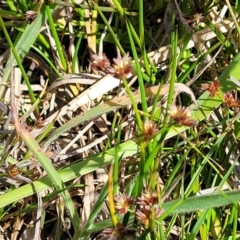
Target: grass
x=139 y=143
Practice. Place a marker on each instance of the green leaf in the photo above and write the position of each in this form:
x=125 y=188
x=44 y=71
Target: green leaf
x=88 y=165
x=22 y=44
x=238 y=6
x=197 y=203
x=192 y=204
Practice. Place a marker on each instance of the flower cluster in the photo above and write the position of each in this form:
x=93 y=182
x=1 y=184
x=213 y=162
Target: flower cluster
x=30 y=16
x=149 y=130
x=181 y=115
x=100 y=62
x=148 y=208
x=146 y=214
x=230 y=101
x=118 y=233
x=146 y=211
x=213 y=87
x=148 y=198
x=120 y=68
x=123 y=203
x=13 y=171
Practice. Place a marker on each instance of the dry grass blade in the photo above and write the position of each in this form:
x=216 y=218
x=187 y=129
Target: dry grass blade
x=6 y=110
x=234 y=80
x=45 y=162
x=123 y=101
x=20 y=129
x=101 y=87
x=88 y=199
x=156 y=56
x=86 y=122
x=37 y=222
x=117 y=103
x=206 y=34
x=89 y=79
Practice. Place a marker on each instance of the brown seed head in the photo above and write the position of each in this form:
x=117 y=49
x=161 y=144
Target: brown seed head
x=30 y=16
x=118 y=233
x=181 y=115
x=147 y=199
x=143 y=217
x=146 y=215
x=230 y=101
x=100 y=62
x=123 y=203
x=13 y=171
x=213 y=88
x=121 y=67
x=149 y=129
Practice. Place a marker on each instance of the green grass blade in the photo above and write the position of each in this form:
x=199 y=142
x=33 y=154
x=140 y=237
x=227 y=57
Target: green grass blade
x=208 y=105
x=22 y=45
x=56 y=39
x=188 y=205
x=56 y=180
x=88 y=165
x=197 y=203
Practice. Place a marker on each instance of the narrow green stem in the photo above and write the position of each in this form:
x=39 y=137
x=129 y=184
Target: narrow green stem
x=116 y=41
x=233 y=16
x=174 y=43
x=141 y=22
x=235 y=221
x=141 y=36
x=134 y=104
x=139 y=72
x=19 y=62
x=76 y=52
x=118 y=7
x=111 y=197
x=139 y=184
x=56 y=38
x=116 y=165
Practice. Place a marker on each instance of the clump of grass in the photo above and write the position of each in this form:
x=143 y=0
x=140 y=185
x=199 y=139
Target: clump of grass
x=169 y=167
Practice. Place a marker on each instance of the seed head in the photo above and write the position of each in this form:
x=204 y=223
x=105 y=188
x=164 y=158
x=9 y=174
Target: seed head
x=146 y=215
x=30 y=16
x=181 y=115
x=100 y=62
x=13 y=171
x=121 y=67
x=149 y=129
x=230 y=101
x=147 y=199
x=143 y=216
x=120 y=232
x=110 y=234
x=213 y=88
x=123 y=203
